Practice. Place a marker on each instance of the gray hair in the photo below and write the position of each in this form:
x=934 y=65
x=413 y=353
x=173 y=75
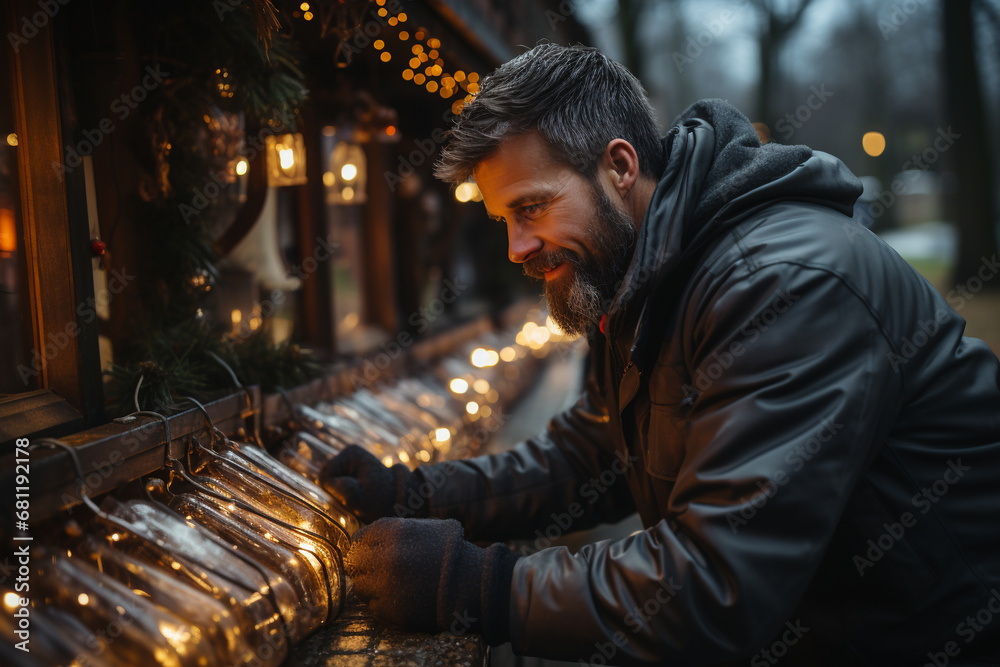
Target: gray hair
x=575 y=97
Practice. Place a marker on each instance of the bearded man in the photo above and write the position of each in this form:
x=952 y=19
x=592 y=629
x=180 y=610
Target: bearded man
x=810 y=442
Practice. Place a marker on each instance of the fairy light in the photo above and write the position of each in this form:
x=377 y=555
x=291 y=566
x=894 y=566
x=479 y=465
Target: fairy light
x=442 y=435
x=459 y=386
x=379 y=44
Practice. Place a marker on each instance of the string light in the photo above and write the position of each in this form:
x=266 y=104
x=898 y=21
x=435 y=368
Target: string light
x=449 y=85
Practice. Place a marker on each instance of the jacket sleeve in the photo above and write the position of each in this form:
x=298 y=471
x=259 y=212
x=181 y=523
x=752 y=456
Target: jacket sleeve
x=555 y=478
x=792 y=407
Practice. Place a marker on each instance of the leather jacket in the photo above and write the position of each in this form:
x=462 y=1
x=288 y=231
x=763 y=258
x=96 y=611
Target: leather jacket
x=812 y=445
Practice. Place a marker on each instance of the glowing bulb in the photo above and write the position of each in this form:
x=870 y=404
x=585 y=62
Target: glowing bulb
x=404 y=457
x=442 y=434
x=386 y=56
x=424 y=455
x=12 y=139
x=237 y=316
x=508 y=354
x=379 y=44
x=83 y=598
x=480 y=357
x=472 y=407
x=464 y=192
x=241 y=167
x=12 y=600
x=348 y=172
x=481 y=386
x=347 y=193
x=387 y=462
x=873 y=143
x=459 y=386
x=286 y=157
x=329 y=178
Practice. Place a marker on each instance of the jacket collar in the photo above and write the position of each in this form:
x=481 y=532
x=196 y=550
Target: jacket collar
x=717 y=172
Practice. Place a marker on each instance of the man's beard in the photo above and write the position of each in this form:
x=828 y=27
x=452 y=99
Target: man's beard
x=579 y=299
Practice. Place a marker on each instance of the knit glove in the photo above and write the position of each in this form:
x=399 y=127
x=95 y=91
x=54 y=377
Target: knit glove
x=422 y=575
x=366 y=487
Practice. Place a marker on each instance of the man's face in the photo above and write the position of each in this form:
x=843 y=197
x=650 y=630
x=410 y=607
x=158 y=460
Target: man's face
x=564 y=228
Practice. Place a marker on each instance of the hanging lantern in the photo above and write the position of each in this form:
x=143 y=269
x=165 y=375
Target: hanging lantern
x=347 y=177
x=286 y=160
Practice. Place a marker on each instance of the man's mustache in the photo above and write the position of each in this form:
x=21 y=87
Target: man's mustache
x=536 y=267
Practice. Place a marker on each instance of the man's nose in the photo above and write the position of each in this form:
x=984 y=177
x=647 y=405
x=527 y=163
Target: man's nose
x=522 y=244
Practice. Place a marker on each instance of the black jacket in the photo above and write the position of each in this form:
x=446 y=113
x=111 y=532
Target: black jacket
x=811 y=443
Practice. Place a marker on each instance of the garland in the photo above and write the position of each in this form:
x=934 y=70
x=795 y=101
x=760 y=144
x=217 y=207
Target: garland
x=228 y=74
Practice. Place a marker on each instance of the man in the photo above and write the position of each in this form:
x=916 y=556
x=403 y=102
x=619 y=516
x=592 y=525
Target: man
x=811 y=444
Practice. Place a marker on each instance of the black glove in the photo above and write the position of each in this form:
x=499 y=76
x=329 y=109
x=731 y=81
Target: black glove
x=366 y=487
x=421 y=574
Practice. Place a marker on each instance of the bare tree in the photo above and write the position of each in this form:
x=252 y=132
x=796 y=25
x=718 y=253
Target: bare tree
x=777 y=26
x=972 y=206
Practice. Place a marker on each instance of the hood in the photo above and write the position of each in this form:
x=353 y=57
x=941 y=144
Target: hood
x=717 y=173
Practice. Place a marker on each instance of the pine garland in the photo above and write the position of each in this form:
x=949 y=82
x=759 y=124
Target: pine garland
x=221 y=59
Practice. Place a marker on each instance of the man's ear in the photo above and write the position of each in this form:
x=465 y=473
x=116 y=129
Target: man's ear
x=620 y=163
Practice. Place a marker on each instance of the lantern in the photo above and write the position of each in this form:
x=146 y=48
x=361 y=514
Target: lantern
x=286 y=160
x=347 y=177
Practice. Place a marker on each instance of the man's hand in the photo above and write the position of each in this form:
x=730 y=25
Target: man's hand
x=421 y=574
x=365 y=486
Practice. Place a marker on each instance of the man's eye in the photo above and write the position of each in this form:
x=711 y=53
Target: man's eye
x=530 y=209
